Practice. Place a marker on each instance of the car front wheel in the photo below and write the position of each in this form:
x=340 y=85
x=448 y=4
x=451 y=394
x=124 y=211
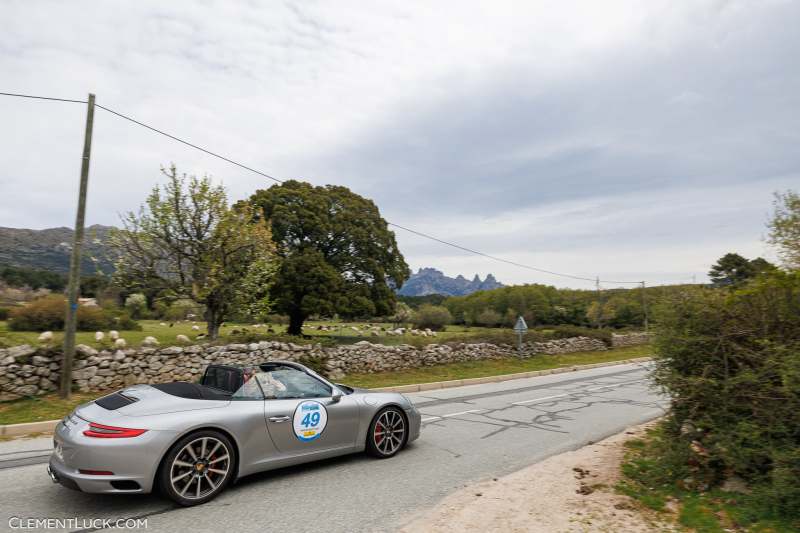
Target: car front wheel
x=197 y=468
x=388 y=433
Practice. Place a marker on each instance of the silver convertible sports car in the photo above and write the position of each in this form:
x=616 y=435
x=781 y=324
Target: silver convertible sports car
x=192 y=439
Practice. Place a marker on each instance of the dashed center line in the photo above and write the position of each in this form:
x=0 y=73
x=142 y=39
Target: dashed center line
x=431 y=418
x=541 y=399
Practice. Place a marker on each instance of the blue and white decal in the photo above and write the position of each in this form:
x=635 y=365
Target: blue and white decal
x=310 y=419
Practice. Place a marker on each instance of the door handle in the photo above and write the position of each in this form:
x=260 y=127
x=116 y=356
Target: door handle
x=278 y=419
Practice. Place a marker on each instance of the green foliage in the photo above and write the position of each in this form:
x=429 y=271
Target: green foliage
x=32 y=278
x=785 y=227
x=567 y=331
x=731 y=363
x=136 y=305
x=338 y=255
x=435 y=317
x=415 y=301
x=656 y=470
x=4 y=311
x=543 y=304
x=49 y=312
x=732 y=270
x=185 y=242
x=489 y=318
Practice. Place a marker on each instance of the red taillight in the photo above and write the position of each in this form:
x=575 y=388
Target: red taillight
x=96 y=472
x=111 y=432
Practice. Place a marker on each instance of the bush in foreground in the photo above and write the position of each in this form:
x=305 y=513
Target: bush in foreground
x=731 y=363
x=48 y=313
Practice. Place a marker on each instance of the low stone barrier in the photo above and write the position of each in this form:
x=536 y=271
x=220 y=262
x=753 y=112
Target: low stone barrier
x=630 y=339
x=28 y=371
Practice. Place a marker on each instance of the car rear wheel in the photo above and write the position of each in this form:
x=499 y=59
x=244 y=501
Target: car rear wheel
x=197 y=468
x=388 y=433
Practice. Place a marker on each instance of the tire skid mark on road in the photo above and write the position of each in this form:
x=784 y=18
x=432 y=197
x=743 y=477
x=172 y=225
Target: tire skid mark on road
x=450 y=415
x=592 y=380
x=547 y=420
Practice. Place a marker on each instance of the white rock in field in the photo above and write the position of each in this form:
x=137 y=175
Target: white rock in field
x=162 y=324
x=183 y=338
x=113 y=334
x=120 y=343
x=46 y=336
x=99 y=335
x=150 y=341
x=195 y=328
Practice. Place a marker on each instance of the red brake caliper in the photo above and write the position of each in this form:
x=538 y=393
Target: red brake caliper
x=378 y=437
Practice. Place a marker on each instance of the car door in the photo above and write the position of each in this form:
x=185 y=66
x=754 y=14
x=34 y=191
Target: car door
x=302 y=416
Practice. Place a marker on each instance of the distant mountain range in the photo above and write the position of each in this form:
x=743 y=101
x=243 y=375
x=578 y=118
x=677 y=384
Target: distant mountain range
x=49 y=249
x=431 y=281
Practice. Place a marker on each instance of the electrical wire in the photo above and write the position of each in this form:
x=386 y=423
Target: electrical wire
x=44 y=98
x=409 y=230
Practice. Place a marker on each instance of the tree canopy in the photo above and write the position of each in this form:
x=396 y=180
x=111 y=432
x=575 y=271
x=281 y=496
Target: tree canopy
x=732 y=269
x=186 y=242
x=785 y=228
x=337 y=253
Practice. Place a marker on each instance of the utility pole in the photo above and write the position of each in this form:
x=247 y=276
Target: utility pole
x=644 y=307
x=75 y=260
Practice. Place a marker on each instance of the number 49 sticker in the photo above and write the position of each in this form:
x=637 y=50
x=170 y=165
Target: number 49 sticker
x=310 y=419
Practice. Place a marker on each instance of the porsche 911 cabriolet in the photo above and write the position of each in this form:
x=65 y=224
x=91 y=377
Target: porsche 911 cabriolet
x=191 y=440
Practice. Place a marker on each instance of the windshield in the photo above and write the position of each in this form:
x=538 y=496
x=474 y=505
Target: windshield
x=279 y=382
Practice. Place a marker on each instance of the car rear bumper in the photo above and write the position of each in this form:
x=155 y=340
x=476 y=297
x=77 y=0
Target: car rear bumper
x=131 y=463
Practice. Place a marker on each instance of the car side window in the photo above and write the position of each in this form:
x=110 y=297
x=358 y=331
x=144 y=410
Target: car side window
x=287 y=383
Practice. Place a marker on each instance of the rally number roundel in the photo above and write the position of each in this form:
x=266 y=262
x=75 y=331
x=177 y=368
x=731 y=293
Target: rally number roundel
x=310 y=419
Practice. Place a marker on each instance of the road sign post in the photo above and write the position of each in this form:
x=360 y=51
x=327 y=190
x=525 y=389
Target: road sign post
x=520 y=328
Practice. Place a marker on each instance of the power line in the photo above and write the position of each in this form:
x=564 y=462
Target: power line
x=44 y=98
x=514 y=263
x=231 y=161
x=187 y=143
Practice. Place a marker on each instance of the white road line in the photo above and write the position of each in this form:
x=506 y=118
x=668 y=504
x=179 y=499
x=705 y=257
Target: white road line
x=464 y=412
x=615 y=385
x=540 y=399
x=525 y=402
x=431 y=418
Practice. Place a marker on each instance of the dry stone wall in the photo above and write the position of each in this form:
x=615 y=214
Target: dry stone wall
x=28 y=371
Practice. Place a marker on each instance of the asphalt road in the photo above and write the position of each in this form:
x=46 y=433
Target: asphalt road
x=469 y=433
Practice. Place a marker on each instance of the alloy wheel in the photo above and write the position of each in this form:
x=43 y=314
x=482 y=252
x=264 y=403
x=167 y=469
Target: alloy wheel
x=200 y=468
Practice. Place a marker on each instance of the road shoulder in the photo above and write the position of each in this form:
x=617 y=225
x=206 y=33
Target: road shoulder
x=569 y=492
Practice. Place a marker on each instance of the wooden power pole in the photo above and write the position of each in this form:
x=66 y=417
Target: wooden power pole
x=644 y=307
x=73 y=287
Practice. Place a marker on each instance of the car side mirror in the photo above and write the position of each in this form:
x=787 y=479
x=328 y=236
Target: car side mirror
x=336 y=396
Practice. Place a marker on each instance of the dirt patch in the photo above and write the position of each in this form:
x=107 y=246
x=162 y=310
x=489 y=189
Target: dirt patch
x=570 y=492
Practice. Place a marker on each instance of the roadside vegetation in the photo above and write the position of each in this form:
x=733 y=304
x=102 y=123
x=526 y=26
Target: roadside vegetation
x=728 y=453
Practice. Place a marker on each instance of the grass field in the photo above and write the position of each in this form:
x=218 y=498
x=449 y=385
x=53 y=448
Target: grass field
x=166 y=334
x=50 y=407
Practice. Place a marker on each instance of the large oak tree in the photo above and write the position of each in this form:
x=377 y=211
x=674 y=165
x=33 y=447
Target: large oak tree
x=337 y=253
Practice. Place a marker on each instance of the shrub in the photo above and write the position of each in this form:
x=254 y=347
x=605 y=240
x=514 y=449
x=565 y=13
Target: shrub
x=136 y=305
x=489 y=318
x=48 y=313
x=434 y=317
x=731 y=364
x=4 y=311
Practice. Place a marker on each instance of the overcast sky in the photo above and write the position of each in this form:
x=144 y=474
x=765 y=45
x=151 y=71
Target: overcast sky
x=630 y=140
